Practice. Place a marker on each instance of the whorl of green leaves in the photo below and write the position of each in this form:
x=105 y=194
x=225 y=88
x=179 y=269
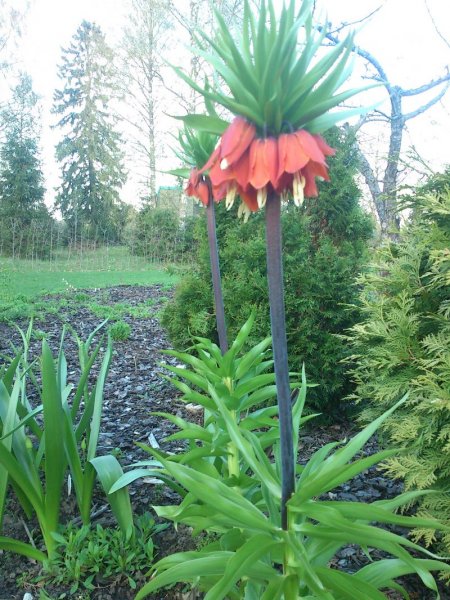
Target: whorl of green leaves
x=194 y=149
x=271 y=73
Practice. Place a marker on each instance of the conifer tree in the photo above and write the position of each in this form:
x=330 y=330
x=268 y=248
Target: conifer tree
x=402 y=345
x=22 y=207
x=21 y=180
x=89 y=153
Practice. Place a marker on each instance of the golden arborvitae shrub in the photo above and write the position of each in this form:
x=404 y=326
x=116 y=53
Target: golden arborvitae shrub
x=403 y=345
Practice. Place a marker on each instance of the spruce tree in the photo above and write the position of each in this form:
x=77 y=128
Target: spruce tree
x=21 y=179
x=23 y=214
x=89 y=153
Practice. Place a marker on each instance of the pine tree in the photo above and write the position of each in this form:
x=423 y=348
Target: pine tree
x=89 y=153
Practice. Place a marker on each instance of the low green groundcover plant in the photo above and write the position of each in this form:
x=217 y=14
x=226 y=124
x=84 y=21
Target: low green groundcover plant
x=88 y=556
x=120 y=331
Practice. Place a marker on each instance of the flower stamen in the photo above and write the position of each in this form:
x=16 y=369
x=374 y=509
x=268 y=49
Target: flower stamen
x=231 y=196
x=261 y=197
x=298 y=187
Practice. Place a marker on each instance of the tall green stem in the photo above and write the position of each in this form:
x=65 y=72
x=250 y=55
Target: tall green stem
x=279 y=342
x=215 y=273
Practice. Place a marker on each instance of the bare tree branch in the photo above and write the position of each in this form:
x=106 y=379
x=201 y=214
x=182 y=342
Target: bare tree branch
x=428 y=105
x=382 y=77
x=443 y=38
x=347 y=24
x=384 y=195
x=427 y=86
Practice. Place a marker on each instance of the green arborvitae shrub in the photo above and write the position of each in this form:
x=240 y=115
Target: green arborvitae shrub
x=324 y=248
x=403 y=344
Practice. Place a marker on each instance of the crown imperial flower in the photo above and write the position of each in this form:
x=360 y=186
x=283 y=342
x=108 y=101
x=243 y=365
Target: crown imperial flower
x=251 y=167
x=197 y=187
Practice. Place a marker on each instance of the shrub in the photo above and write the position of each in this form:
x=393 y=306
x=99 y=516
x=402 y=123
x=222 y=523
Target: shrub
x=324 y=248
x=403 y=344
x=159 y=235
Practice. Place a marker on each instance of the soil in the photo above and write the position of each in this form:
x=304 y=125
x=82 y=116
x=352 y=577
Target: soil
x=135 y=388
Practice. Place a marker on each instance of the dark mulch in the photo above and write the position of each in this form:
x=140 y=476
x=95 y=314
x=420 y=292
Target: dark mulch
x=135 y=388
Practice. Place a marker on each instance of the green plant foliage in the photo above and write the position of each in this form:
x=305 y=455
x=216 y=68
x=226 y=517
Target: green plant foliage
x=246 y=384
x=229 y=481
x=36 y=454
x=159 y=235
x=273 y=80
x=90 y=556
x=324 y=247
x=120 y=331
x=403 y=343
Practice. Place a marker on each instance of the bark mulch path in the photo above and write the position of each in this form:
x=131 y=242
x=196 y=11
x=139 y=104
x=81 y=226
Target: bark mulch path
x=134 y=389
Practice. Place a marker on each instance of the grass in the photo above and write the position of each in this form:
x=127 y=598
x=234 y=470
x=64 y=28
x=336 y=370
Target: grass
x=105 y=258
x=23 y=282
x=91 y=269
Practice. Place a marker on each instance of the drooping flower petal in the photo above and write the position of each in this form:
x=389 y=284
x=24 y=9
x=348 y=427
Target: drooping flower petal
x=291 y=155
x=310 y=172
x=203 y=193
x=284 y=183
x=263 y=162
x=324 y=147
x=212 y=160
x=238 y=172
x=197 y=187
x=249 y=197
x=235 y=141
x=310 y=145
x=219 y=191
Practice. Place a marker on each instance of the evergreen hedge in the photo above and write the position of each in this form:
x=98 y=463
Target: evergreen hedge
x=403 y=345
x=325 y=243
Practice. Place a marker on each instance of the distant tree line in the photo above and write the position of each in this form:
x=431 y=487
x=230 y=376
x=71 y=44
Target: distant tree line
x=108 y=112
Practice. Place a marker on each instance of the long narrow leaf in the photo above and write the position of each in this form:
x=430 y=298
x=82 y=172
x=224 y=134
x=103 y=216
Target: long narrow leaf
x=11 y=545
x=109 y=471
x=55 y=460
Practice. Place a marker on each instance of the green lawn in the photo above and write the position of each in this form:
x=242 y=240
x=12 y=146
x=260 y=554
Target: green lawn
x=24 y=281
x=34 y=283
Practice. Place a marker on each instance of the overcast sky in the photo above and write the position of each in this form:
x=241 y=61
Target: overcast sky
x=401 y=36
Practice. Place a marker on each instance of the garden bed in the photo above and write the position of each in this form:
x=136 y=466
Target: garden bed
x=134 y=389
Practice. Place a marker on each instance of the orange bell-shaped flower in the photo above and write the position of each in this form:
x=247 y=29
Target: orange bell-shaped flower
x=197 y=187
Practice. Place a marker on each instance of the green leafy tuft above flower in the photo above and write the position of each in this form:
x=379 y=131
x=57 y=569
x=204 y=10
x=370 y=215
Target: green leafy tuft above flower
x=272 y=74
